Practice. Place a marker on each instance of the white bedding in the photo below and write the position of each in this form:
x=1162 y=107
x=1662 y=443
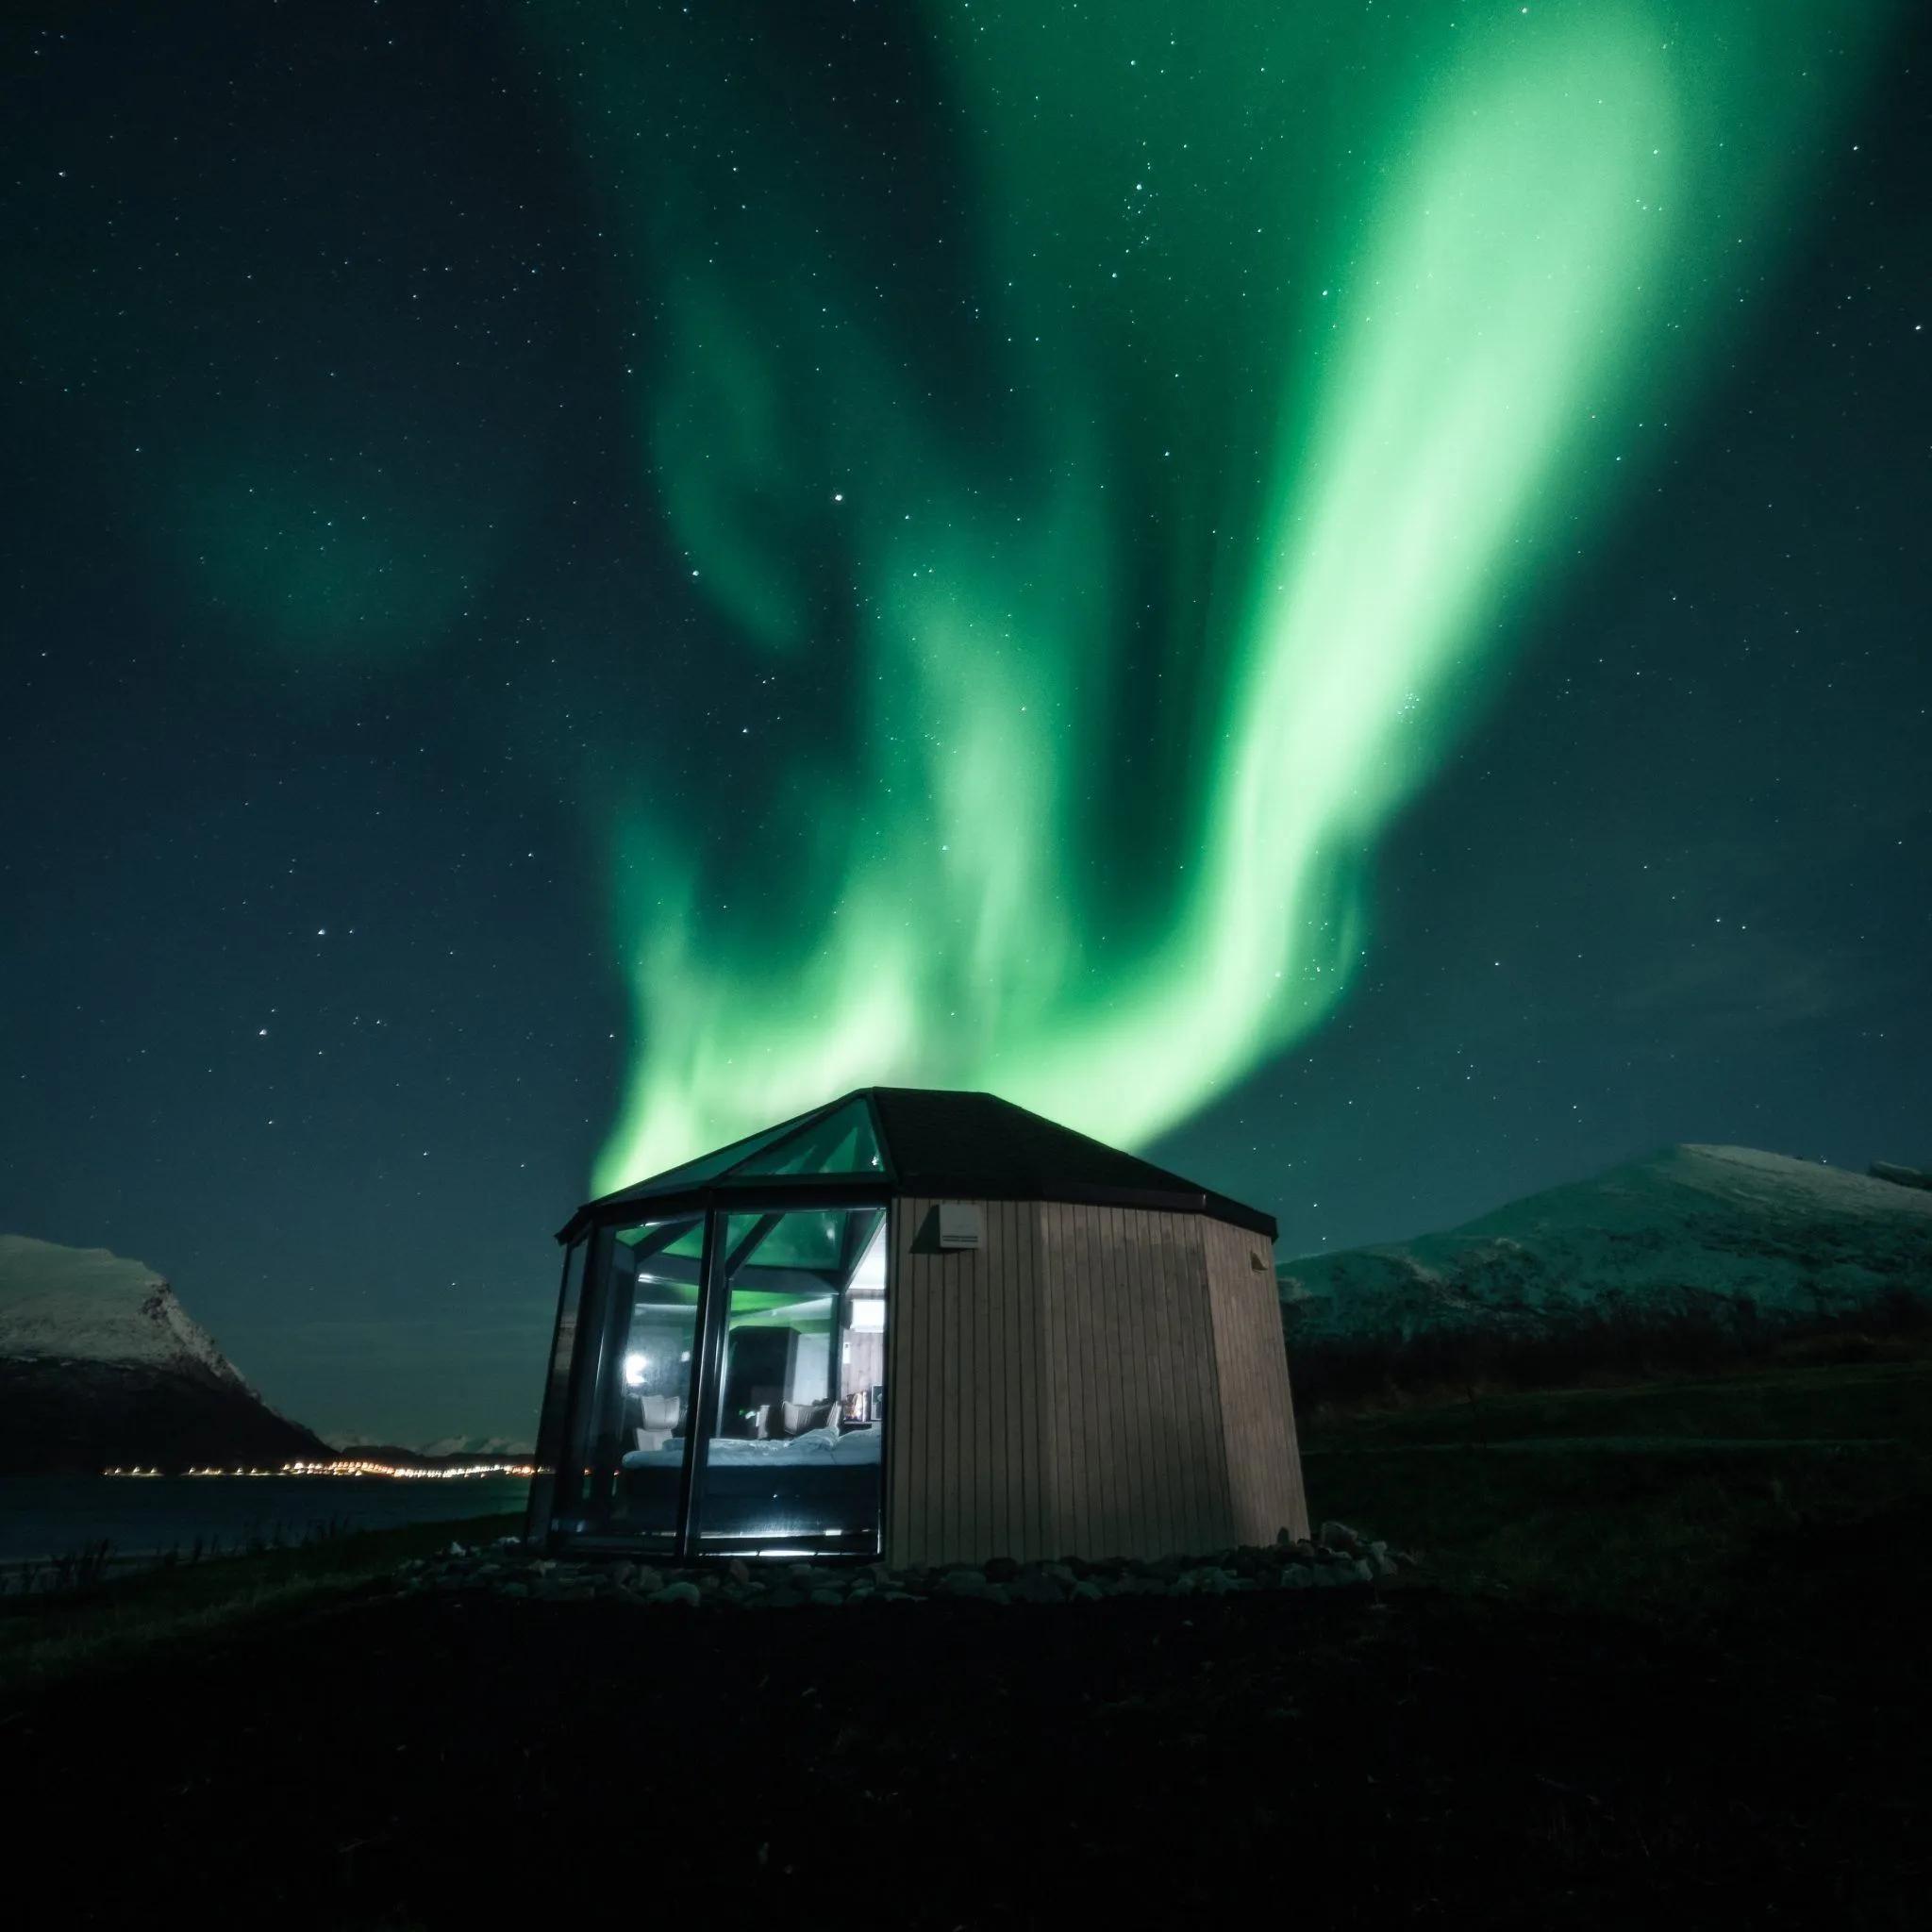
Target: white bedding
x=816 y=1448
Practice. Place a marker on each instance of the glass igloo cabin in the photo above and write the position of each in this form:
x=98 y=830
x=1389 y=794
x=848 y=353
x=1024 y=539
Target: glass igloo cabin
x=921 y=1324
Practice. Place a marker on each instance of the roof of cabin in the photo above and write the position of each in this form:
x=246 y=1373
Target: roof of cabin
x=927 y=1141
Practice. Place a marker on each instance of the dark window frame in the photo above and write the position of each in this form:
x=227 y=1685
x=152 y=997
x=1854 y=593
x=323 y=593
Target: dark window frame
x=569 y=1525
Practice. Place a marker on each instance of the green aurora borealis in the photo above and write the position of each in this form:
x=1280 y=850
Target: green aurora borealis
x=1331 y=594
x=1169 y=511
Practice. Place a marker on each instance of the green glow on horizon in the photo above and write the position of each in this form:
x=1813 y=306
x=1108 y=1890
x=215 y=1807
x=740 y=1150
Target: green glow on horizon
x=1354 y=327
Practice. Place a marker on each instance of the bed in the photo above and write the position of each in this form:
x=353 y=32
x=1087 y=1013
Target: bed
x=824 y=1481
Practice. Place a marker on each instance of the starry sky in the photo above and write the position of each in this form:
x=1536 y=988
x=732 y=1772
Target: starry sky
x=1338 y=599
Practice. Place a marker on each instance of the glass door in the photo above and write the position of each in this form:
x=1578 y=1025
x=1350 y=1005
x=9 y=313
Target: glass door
x=645 y=1373
x=790 y=1453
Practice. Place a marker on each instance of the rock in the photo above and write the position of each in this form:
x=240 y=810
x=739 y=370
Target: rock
x=1035 y=1586
x=861 y=1593
x=1062 y=1573
x=513 y=1590
x=784 y=1597
x=737 y=1569
x=1088 y=1593
x=622 y=1573
x=800 y=1576
x=544 y=1566
x=1385 y=1563
x=1338 y=1536
x=675 y=1593
x=825 y=1597
x=1295 y=1578
x=1210 y=1580
x=1000 y=1568
x=964 y=1582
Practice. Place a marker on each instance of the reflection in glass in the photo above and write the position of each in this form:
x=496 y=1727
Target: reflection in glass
x=649 y=1363
x=839 y=1142
x=793 y=1448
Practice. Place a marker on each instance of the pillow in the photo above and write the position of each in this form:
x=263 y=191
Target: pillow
x=662 y=1411
x=826 y=1438
x=794 y=1418
x=652 y=1439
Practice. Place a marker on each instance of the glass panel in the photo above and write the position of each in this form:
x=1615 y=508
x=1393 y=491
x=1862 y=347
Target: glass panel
x=695 y=1173
x=794 y=1455
x=642 y=1432
x=556 y=1392
x=840 y=1142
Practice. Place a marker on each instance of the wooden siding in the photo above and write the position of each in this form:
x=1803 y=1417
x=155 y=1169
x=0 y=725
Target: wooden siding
x=1256 y=1412
x=1060 y=1390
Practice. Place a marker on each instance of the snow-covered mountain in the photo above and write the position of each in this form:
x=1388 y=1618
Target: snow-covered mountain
x=1725 y=1241
x=101 y=1367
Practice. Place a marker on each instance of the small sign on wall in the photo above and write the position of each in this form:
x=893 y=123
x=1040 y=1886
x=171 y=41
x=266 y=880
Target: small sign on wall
x=958 y=1224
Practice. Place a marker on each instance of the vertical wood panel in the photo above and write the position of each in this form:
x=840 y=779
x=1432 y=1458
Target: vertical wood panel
x=937 y=1476
x=1092 y=1381
x=908 y=1412
x=956 y=1473
x=1106 y=1390
x=995 y=1530
x=1101 y=1475
x=1057 y=1385
x=1037 y=1414
x=1182 y=1504
x=1128 y=1404
x=1016 y=1297
x=1136 y=1466
x=1258 y=1419
x=1215 y=1526
x=1162 y=1411
x=1150 y=1293
x=898 y=1377
x=1079 y=1524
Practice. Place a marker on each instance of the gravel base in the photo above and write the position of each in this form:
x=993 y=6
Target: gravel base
x=1338 y=1557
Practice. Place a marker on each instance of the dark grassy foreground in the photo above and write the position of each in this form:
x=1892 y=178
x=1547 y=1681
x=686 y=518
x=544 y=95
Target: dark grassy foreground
x=1675 y=1670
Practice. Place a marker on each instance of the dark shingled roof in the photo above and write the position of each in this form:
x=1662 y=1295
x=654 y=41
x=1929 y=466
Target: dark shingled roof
x=936 y=1141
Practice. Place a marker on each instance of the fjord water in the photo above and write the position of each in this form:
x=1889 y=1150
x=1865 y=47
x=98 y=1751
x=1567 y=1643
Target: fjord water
x=55 y=1516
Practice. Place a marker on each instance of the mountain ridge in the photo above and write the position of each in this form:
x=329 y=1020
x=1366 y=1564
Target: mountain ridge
x=102 y=1367
x=1730 y=1243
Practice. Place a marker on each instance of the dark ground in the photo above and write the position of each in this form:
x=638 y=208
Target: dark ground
x=1448 y=1752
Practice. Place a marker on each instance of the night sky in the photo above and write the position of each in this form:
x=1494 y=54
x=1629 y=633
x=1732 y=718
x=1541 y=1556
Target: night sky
x=1339 y=599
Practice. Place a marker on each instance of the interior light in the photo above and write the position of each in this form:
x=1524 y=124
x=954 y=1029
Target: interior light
x=635 y=1367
